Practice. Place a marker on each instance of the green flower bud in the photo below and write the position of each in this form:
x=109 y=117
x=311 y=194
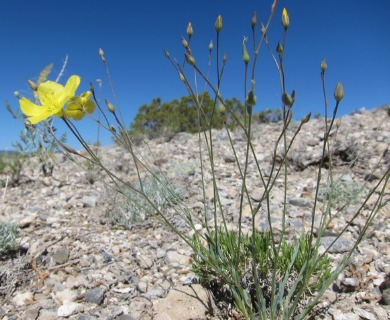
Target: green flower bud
x=182 y=78
x=287 y=99
x=184 y=43
x=251 y=99
x=324 y=66
x=279 y=48
x=101 y=54
x=306 y=118
x=189 y=30
x=110 y=106
x=190 y=59
x=245 y=55
x=285 y=19
x=218 y=24
x=339 y=92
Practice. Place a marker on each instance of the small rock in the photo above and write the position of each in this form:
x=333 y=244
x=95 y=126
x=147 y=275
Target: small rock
x=364 y=313
x=144 y=261
x=65 y=296
x=386 y=297
x=175 y=257
x=61 y=256
x=69 y=309
x=95 y=295
x=350 y=282
x=89 y=201
x=23 y=298
x=340 y=246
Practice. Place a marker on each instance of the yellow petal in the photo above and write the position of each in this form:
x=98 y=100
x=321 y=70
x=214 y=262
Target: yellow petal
x=27 y=107
x=34 y=112
x=70 y=88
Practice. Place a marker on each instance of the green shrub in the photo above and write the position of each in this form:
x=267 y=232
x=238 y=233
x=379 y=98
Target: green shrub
x=8 y=234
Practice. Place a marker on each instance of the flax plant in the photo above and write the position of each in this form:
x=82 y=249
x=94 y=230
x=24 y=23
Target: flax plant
x=265 y=274
x=262 y=274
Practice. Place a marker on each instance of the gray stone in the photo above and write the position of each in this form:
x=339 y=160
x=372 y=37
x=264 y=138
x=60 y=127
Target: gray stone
x=95 y=295
x=61 y=256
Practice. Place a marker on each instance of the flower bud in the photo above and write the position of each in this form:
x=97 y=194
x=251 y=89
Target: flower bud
x=110 y=106
x=251 y=99
x=225 y=57
x=218 y=24
x=211 y=45
x=184 y=43
x=324 y=66
x=245 y=55
x=306 y=118
x=16 y=94
x=112 y=129
x=287 y=99
x=101 y=54
x=254 y=20
x=285 y=19
x=166 y=53
x=279 y=48
x=33 y=85
x=339 y=92
x=190 y=59
x=189 y=30
x=182 y=78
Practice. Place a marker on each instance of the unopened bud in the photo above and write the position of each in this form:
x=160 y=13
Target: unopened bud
x=306 y=118
x=190 y=59
x=287 y=99
x=166 y=53
x=254 y=20
x=225 y=57
x=285 y=19
x=189 y=30
x=218 y=24
x=32 y=85
x=339 y=92
x=184 y=43
x=110 y=106
x=16 y=94
x=211 y=45
x=251 y=99
x=182 y=78
x=112 y=129
x=324 y=66
x=101 y=54
x=279 y=48
x=245 y=55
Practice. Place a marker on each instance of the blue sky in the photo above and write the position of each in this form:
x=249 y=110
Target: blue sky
x=353 y=37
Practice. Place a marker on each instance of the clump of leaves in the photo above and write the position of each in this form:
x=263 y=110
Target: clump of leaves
x=8 y=234
x=157 y=193
x=250 y=276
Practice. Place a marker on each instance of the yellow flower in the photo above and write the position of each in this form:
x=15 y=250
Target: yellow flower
x=77 y=107
x=52 y=97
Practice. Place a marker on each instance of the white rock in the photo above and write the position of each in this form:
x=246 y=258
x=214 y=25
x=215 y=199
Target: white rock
x=69 y=309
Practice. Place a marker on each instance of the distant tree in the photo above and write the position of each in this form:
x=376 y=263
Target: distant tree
x=166 y=119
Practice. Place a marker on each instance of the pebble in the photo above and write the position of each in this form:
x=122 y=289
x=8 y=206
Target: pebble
x=95 y=295
x=70 y=308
